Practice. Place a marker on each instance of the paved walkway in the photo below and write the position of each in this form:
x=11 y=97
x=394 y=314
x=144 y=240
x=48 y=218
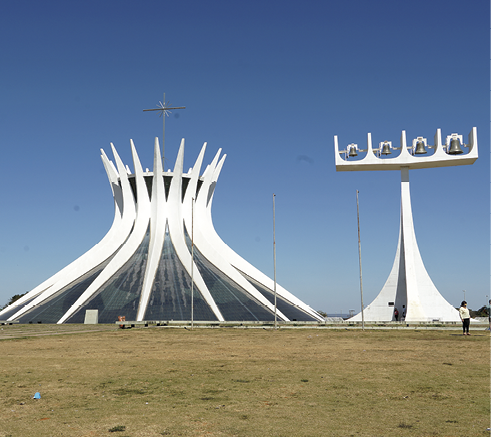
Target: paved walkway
x=31 y=330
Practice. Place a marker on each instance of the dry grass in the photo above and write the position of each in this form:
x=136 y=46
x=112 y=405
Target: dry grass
x=245 y=382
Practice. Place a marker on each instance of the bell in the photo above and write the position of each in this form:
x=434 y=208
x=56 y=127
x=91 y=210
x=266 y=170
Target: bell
x=352 y=152
x=386 y=150
x=454 y=147
x=420 y=148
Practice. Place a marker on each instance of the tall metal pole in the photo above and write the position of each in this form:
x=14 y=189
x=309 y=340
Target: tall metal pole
x=192 y=263
x=274 y=262
x=359 y=256
x=163 y=138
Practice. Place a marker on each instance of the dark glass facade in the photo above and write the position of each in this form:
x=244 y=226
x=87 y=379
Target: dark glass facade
x=170 y=298
x=232 y=300
x=119 y=296
x=235 y=303
x=52 y=309
x=287 y=308
x=11 y=312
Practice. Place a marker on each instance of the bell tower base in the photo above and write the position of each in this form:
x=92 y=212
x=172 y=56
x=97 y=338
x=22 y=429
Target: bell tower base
x=409 y=288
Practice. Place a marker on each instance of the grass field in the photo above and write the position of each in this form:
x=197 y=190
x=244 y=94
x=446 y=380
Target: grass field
x=244 y=382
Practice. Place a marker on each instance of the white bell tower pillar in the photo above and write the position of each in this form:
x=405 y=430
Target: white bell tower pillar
x=409 y=287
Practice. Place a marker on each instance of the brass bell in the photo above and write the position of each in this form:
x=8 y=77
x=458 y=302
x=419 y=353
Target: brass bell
x=385 y=149
x=420 y=148
x=455 y=148
x=352 y=152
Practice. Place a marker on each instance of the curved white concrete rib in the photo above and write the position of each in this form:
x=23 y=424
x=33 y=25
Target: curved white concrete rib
x=193 y=184
x=170 y=210
x=135 y=238
x=103 y=250
x=115 y=187
x=176 y=224
x=157 y=231
x=203 y=230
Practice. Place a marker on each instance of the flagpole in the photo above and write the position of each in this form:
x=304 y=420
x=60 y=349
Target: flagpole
x=192 y=263
x=274 y=262
x=359 y=256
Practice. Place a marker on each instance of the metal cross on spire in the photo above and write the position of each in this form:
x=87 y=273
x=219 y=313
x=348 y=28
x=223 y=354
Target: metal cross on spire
x=164 y=109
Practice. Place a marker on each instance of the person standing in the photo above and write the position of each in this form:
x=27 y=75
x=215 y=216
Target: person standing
x=489 y=314
x=396 y=314
x=465 y=317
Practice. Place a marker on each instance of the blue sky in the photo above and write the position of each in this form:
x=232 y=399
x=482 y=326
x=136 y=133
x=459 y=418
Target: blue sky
x=271 y=83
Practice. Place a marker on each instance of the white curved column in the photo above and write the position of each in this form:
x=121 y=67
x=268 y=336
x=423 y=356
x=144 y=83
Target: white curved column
x=193 y=183
x=134 y=240
x=176 y=228
x=158 y=222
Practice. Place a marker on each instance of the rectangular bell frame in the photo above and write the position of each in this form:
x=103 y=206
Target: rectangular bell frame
x=409 y=287
x=438 y=159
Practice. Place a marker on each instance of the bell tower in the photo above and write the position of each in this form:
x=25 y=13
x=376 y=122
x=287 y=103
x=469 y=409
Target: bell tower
x=409 y=287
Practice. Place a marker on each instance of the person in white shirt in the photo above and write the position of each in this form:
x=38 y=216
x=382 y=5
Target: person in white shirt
x=465 y=317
